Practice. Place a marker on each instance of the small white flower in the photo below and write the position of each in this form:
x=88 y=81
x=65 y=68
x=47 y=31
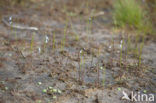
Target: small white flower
x=81 y=51
x=110 y=47
x=101 y=68
x=39 y=50
x=10 y=19
x=120 y=45
x=121 y=42
x=6 y=88
x=47 y=39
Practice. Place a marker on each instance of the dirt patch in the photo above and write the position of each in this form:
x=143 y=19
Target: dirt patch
x=78 y=63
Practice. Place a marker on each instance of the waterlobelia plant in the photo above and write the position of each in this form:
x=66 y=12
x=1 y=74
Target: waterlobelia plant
x=39 y=50
x=11 y=23
x=32 y=43
x=121 y=47
x=76 y=36
x=92 y=54
x=81 y=62
x=64 y=38
x=98 y=72
x=45 y=43
x=53 y=45
x=104 y=73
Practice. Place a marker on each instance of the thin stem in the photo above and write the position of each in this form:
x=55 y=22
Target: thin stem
x=32 y=43
x=121 y=47
x=64 y=38
x=104 y=70
x=54 y=41
x=92 y=57
x=98 y=72
x=79 y=60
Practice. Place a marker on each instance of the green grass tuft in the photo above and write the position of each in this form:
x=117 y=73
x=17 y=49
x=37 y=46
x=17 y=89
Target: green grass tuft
x=129 y=13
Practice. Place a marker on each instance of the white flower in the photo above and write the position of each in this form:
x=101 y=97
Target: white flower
x=81 y=51
x=39 y=50
x=47 y=39
x=10 y=19
x=120 y=45
x=121 y=42
x=110 y=47
x=101 y=68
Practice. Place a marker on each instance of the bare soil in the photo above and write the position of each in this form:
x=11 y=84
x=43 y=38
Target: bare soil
x=25 y=72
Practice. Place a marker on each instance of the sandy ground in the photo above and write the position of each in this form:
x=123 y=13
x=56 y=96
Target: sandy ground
x=86 y=68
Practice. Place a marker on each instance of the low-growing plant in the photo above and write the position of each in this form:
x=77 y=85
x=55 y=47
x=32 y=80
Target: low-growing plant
x=98 y=72
x=76 y=36
x=12 y=29
x=45 y=43
x=32 y=43
x=53 y=45
x=121 y=48
x=15 y=33
x=64 y=37
x=104 y=74
x=81 y=62
x=89 y=24
x=92 y=54
x=129 y=13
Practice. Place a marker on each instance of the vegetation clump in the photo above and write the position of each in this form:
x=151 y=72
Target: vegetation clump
x=129 y=13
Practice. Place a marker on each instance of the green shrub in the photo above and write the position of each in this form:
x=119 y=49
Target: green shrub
x=129 y=13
